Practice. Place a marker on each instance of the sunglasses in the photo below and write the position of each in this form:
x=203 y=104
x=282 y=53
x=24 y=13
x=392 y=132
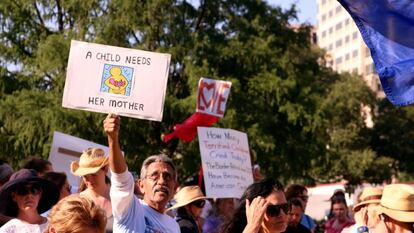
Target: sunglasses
x=25 y=190
x=199 y=203
x=274 y=210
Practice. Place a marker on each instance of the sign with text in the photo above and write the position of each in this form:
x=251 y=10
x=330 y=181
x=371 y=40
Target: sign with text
x=212 y=96
x=108 y=79
x=67 y=148
x=225 y=157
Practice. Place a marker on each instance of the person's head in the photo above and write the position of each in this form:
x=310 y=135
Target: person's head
x=224 y=207
x=297 y=191
x=370 y=199
x=27 y=192
x=275 y=218
x=295 y=211
x=61 y=182
x=190 y=200
x=158 y=181
x=396 y=209
x=76 y=214
x=41 y=166
x=5 y=172
x=92 y=167
x=339 y=208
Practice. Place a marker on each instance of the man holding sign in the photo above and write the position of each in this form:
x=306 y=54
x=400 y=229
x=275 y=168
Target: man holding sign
x=157 y=182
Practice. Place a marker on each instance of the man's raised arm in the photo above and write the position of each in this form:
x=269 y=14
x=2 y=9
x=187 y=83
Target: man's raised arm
x=116 y=159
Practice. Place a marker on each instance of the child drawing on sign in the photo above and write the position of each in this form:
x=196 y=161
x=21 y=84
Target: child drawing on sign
x=116 y=82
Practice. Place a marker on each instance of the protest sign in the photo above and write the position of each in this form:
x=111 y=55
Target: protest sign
x=225 y=157
x=212 y=96
x=67 y=148
x=129 y=82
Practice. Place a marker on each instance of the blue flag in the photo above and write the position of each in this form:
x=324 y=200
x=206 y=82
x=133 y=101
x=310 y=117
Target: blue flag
x=387 y=27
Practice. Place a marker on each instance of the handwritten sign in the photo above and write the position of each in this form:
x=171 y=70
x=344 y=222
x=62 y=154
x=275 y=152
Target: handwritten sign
x=67 y=148
x=129 y=82
x=225 y=157
x=212 y=96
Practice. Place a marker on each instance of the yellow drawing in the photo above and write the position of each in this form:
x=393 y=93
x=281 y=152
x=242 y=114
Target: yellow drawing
x=116 y=82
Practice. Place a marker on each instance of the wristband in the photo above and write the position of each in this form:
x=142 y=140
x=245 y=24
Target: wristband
x=362 y=229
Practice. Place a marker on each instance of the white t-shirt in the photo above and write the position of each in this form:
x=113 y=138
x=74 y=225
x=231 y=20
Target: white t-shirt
x=18 y=226
x=133 y=215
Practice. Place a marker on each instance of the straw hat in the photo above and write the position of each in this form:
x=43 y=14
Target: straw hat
x=50 y=192
x=90 y=162
x=397 y=202
x=369 y=195
x=187 y=195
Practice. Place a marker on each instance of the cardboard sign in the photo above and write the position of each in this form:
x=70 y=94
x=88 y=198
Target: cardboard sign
x=67 y=148
x=129 y=82
x=225 y=157
x=212 y=96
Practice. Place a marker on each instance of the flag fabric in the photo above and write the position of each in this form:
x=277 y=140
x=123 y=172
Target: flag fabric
x=387 y=27
x=187 y=130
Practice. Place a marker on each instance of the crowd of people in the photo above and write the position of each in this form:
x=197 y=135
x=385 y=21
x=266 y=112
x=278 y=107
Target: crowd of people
x=38 y=199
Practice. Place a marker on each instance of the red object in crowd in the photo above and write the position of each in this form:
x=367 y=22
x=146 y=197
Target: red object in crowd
x=187 y=130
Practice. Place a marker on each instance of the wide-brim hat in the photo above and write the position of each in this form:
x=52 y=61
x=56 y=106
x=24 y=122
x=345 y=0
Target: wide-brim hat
x=187 y=195
x=369 y=195
x=50 y=192
x=90 y=162
x=397 y=202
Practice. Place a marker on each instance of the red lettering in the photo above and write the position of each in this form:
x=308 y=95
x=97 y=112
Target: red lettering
x=201 y=97
x=220 y=97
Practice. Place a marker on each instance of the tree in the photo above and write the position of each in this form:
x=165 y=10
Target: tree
x=282 y=95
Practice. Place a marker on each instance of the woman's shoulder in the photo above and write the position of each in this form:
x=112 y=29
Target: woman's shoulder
x=15 y=225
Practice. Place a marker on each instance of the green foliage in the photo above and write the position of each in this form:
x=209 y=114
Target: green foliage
x=304 y=122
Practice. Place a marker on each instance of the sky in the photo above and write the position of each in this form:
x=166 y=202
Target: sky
x=306 y=9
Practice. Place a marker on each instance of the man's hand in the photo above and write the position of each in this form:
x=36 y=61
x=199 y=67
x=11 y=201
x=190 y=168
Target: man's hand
x=111 y=126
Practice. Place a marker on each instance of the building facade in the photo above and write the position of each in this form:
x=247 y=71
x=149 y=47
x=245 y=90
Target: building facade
x=346 y=51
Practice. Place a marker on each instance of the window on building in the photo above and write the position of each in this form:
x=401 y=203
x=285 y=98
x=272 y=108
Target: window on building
x=330 y=13
x=370 y=69
x=330 y=48
x=347 y=21
x=323 y=17
x=323 y=2
x=338 y=43
x=354 y=35
x=346 y=39
x=355 y=70
x=330 y=30
x=338 y=26
x=355 y=53
x=338 y=9
x=338 y=60
x=367 y=52
x=323 y=34
x=347 y=57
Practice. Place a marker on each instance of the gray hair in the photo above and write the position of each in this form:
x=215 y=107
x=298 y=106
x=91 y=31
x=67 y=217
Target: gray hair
x=157 y=158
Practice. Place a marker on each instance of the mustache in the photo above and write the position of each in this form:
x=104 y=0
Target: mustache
x=163 y=189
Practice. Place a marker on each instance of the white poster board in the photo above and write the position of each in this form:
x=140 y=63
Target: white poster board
x=212 y=96
x=67 y=148
x=109 y=79
x=225 y=158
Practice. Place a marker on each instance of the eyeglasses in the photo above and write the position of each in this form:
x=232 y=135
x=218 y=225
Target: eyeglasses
x=274 y=210
x=199 y=203
x=25 y=190
x=156 y=176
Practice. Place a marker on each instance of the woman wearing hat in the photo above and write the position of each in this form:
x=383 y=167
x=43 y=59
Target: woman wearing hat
x=24 y=197
x=396 y=209
x=365 y=212
x=92 y=167
x=190 y=202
